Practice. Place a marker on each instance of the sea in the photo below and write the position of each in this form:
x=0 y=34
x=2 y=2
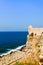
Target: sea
x=11 y=41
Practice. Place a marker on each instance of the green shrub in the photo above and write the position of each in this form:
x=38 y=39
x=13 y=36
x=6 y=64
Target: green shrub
x=18 y=63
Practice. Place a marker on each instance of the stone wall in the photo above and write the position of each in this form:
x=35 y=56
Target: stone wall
x=37 y=31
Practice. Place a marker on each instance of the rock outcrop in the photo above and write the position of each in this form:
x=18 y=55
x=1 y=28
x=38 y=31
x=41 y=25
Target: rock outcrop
x=35 y=42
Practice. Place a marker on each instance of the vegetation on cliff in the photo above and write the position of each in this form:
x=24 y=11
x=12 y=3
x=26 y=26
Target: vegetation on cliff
x=18 y=63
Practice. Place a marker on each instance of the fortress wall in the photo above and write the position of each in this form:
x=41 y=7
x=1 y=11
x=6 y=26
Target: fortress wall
x=37 y=31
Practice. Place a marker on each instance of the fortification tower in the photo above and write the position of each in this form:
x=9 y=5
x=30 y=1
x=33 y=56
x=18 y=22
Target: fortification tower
x=39 y=33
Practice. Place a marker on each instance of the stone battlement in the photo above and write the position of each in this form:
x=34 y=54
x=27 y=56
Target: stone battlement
x=37 y=31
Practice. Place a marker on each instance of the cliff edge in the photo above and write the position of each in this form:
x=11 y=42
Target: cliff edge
x=31 y=53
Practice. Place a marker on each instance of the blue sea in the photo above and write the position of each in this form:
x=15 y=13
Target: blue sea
x=11 y=40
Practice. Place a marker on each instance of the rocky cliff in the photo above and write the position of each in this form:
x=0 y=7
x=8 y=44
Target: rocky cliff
x=32 y=52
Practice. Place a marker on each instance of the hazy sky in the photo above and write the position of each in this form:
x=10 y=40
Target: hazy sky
x=17 y=15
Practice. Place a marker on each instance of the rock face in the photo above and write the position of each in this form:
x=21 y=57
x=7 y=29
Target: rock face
x=41 y=46
x=35 y=43
x=32 y=46
x=32 y=52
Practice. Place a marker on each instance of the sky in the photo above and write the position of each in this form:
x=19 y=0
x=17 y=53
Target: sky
x=17 y=15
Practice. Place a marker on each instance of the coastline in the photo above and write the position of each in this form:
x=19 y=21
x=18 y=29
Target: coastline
x=25 y=53
x=12 y=50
